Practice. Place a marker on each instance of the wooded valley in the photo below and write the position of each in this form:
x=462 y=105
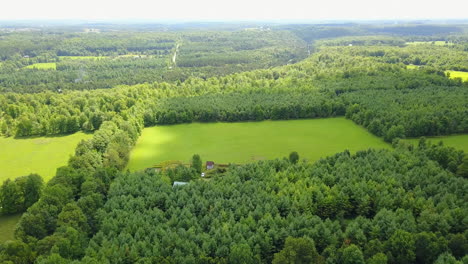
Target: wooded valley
x=407 y=204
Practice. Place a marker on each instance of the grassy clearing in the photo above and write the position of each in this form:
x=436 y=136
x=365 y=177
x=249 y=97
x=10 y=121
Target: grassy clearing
x=458 y=74
x=42 y=155
x=412 y=67
x=43 y=66
x=249 y=141
x=456 y=141
x=7 y=226
x=437 y=43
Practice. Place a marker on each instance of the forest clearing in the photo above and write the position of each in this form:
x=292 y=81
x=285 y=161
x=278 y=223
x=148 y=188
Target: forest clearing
x=41 y=155
x=245 y=142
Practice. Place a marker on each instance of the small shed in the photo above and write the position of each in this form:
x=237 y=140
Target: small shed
x=210 y=165
x=177 y=183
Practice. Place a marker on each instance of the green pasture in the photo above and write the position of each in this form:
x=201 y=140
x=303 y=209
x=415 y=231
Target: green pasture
x=412 y=67
x=249 y=141
x=456 y=141
x=458 y=74
x=42 y=155
x=437 y=43
x=7 y=226
x=42 y=66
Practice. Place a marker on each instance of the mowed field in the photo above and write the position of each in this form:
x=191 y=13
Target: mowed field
x=437 y=43
x=7 y=226
x=42 y=155
x=249 y=141
x=458 y=74
x=457 y=141
x=42 y=66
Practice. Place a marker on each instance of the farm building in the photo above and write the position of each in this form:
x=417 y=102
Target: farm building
x=209 y=165
x=176 y=183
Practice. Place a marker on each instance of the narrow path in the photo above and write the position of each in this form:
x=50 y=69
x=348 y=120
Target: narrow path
x=175 y=55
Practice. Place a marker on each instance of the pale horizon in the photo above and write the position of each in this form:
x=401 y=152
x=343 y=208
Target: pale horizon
x=241 y=10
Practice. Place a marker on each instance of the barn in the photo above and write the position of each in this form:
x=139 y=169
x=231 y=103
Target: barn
x=210 y=165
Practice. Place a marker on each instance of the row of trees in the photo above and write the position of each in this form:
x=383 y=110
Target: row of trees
x=47 y=45
x=247 y=106
x=430 y=111
x=64 y=218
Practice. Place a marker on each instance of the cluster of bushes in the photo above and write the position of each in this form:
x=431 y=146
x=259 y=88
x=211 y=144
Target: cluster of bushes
x=19 y=194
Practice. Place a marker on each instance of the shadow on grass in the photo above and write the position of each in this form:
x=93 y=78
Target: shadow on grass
x=50 y=136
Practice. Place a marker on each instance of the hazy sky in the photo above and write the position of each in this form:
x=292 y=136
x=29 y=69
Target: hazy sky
x=232 y=9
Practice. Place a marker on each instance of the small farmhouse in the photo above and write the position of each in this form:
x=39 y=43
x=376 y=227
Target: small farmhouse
x=209 y=165
x=176 y=183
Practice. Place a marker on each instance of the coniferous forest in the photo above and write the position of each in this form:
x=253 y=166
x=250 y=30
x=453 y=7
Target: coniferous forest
x=406 y=204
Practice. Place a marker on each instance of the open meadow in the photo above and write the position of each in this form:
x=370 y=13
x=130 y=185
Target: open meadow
x=7 y=226
x=249 y=141
x=457 y=141
x=458 y=74
x=42 y=155
x=43 y=66
x=437 y=43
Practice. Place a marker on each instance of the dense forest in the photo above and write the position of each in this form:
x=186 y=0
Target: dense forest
x=84 y=61
x=406 y=205
x=397 y=205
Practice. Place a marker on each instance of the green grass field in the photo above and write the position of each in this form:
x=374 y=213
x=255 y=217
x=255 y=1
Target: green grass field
x=437 y=43
x=412 y=67
x=42 y=66
x=458 y=74
x=249 y=141
x=42 y=155
x=7 y=226
x=456 y=141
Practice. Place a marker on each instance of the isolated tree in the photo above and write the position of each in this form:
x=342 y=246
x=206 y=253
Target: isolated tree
x=379 y=258
x=15 y=251
x=401 y=247
x=11 y=199
x=395 y=132
x=446 y=258
x=297 y=250
x=458 y=245
x=72 y=216
x=294 y=157
x=53 y=258
x=241 y=254
x=462 y=170
x=197 y=163
x=259 y=115
x=428 y=247
x=352 y=255
x=32 y=189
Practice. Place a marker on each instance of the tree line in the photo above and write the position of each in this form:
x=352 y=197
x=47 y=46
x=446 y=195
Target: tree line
x=329 y=83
